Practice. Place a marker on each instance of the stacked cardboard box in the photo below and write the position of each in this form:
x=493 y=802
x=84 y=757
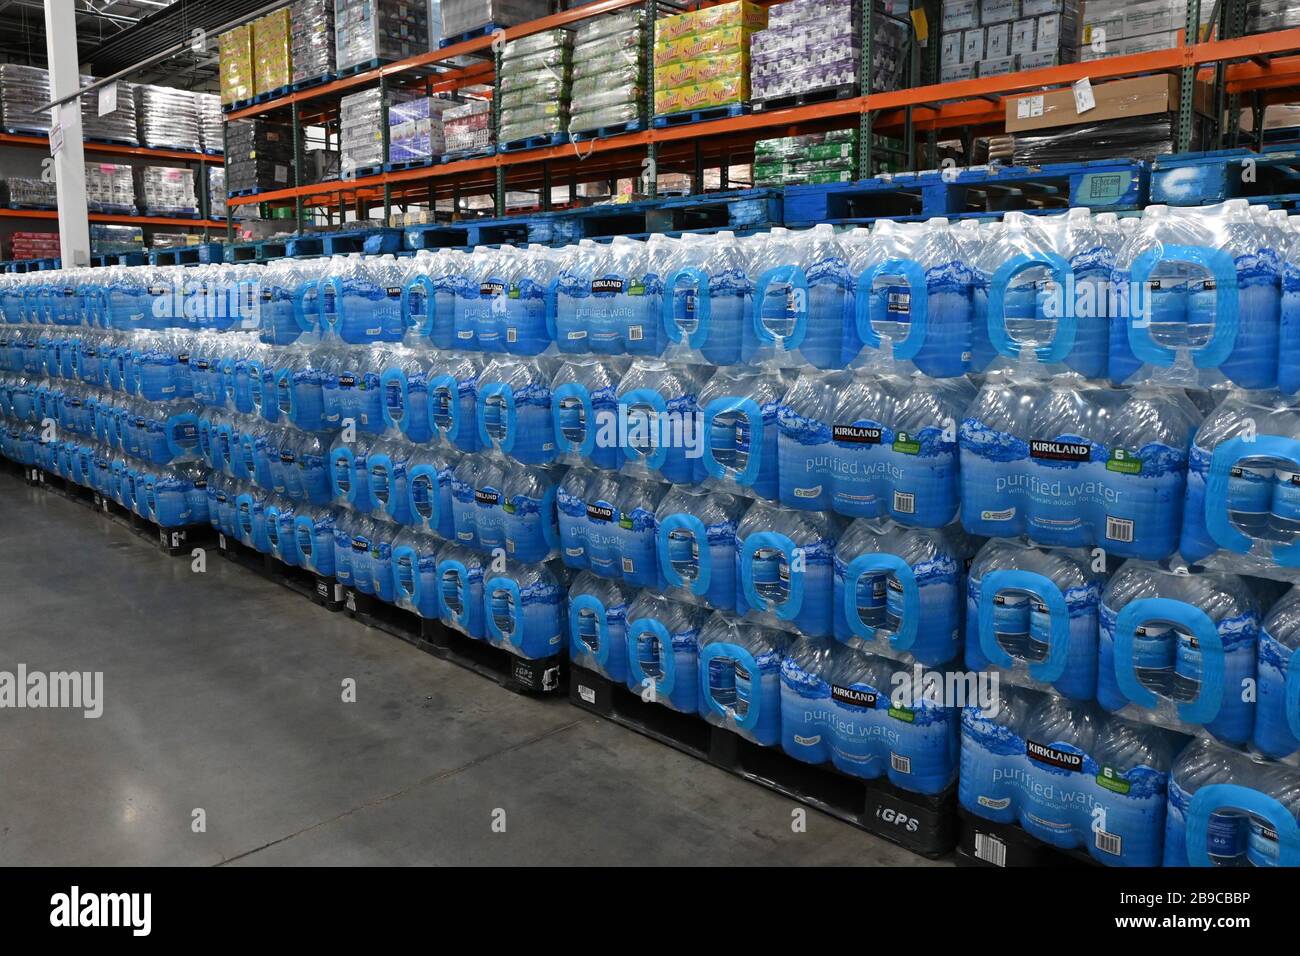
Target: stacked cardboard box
x=110 y=188
x=997 y=37
x=1122 y=27
x=272 y=67
x=609 y=72
x=22 y=89
x=1265 y=15
x=236 y=52
x=115 y=126
x=468 y=126
x=466 y=16
x=383 y=30
x=33 y=245
x=812 y=45
x=415 y=129
x=259 y=155
x=830 y=157
x=109 y=240
x=536 y=85
x=168 y=119
x=361 y=128
x=701 y=59
x=31 y=192
x=312 y=44
x=167 y=191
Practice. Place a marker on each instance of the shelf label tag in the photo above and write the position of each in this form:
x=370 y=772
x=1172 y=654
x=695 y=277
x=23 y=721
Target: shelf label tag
x=108 y=99
x=1083 y=98
x=921 y=25
x=56 y=139
x=1028 y=107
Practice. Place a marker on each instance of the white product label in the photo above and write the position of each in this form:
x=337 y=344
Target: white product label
x=108 y=99
x=1083 y=98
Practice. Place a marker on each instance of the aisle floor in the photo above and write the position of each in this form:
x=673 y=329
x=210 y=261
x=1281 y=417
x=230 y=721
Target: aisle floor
x=222 y=692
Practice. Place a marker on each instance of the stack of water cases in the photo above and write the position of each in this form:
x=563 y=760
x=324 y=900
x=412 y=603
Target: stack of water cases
x=922 y=501
x=1128 y=456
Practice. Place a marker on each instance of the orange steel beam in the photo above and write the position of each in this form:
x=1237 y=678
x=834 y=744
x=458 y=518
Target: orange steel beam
x=112 y=149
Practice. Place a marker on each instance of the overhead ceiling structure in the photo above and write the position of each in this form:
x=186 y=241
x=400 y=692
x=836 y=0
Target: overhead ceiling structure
x=113 y=35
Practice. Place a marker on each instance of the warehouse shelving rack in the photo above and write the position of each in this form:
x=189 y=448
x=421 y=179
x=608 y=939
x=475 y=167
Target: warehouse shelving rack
x=202 y=162
x=1265 y=66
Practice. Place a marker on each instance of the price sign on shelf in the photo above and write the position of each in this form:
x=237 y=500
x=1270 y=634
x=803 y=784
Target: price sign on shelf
x=1083 y=98
x=108 y=99
x=56 y=139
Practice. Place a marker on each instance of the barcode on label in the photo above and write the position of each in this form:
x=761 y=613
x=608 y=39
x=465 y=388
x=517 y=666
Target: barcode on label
x=1119 y=529
x=990 y=849
x=634 y=333
x=512 y=335
x=627 y=566
x=899 y=763
x=904 y=502
x=1109 y=842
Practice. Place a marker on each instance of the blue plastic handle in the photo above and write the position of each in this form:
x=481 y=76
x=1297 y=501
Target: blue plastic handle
x=343 y=455
x=462 y=575
x=408 y=552
x=1051 y=669
x=591 y=603
x=905 y=637
x=644 y=396
x=300 y=305
x=1209 y=700
x=797 y=280
x=683 y=522
x=578 y=391
x=1217 y=521
x=386 y=380
x=1231 y=796
x=667 y=661
x=749 y=408
x=703 y=306
x=1066 y=324
x=1226 y=306
x=780 y=542
x=452 y=387
x=492 y=390
x=746 y=660
x=516 y=636
x=919 y=318
x=416 y=474
x=423 y=324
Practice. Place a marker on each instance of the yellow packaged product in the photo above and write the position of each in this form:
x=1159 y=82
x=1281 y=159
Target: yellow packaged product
x=717 y=42
x=272 y=63
x=236 y=52
x=690 y=72
x=698 y=96
x=741 y=13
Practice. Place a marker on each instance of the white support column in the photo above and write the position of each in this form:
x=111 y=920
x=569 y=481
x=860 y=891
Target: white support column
x=69 y=160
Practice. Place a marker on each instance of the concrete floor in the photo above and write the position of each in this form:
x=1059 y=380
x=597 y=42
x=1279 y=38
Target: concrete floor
x=222 y=691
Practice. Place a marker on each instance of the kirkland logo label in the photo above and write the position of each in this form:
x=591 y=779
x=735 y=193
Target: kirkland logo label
x=607 y=285
x=856 y=434
x=1059 y=450
x=394 y=292
x=600 y=513
x=487 y=497
x=847 y=695
x=490 y=290
x=1053 y=757
x=347 y=381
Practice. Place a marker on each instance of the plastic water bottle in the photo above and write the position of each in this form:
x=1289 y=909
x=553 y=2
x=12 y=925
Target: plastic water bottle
x=524 y=610
x=460 y=590
x=1277 y=719
x=804 y=450
x=572 y=294
x=993 y=764
x=598 y=625
x=415 y=572
x=784 y=566
x=993 y=450
x=571 y=517
x=739 y=677
x=658 y=411
x=663 y=650
x=584 y=406
x=807 y=671
x=489 y=505
x=601 y=535
x=708 y=298
x=925 y=482
x=1204 y=763
x=514 y=409
x=635 y=533
x=528 y=506
x=1025 y=588
x=900 y=590
x=739 y=423
x=696 y=545
x=862 y=438
x=453 y=401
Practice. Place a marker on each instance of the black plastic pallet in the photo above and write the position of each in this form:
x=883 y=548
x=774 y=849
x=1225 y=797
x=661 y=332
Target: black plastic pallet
x=372 y=64
x=172 y=213
x=985 y=843
x=474 y=34
x=422 y=163
x=603 y=132
x=925 y=825
x=109 y=209
x=457 y=155
x=829 y=94
x=321 y=591
x=363 y=172
x=308 y=83
x=533 y=142
x=686 y=117
x=29 y=205
x=274 y=94
x=113 y=141
x=539 y=677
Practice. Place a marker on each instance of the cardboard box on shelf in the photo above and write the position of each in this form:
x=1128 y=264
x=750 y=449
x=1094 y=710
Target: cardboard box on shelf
x=1037 y=8
x=997 y=11
x=959 y=15
x=950 y=49
x=999 y=67
x=272 y=66
x=1023 y=35
x=997 y=41
x=972 y=45
x=1139 y=96
x=235 y=50
x=1054 y=31
x=961 y=71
